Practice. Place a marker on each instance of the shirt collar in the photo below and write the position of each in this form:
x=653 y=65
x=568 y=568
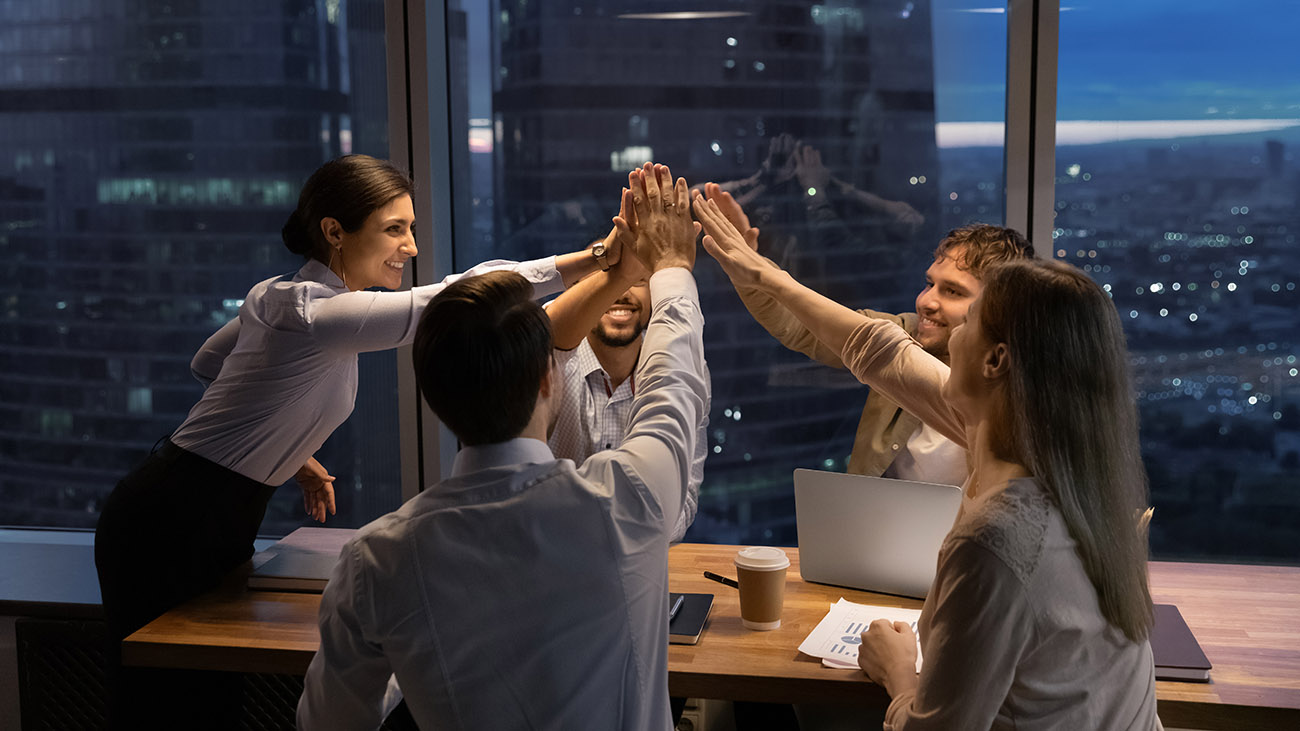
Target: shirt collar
x=588 y=365
x=586 y=360
x=514 y=451
x=316 y=271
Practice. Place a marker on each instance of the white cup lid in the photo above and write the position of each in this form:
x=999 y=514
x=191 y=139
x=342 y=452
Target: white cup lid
x=762 y=558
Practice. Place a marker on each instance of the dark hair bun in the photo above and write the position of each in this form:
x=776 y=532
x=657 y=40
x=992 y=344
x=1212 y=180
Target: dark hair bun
x=295 y=235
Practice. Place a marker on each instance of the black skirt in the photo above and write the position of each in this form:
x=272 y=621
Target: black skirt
x=170 y=531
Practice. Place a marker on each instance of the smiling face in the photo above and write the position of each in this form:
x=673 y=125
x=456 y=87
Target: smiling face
x=942 y=305
x=624 y=321
x=375 y=254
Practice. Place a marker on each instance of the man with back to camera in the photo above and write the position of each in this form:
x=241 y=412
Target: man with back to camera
x=522 y=591
x=891 y=442
x=598 y=327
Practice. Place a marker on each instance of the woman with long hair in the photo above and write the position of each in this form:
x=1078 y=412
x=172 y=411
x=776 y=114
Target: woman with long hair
x=1039 y=613
x=279 y=379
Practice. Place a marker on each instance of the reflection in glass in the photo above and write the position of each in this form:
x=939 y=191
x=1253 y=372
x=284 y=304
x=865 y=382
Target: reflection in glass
x=820 y=118
x=149 y=154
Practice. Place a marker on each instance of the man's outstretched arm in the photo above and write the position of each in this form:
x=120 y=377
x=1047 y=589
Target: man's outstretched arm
x=879 y=353
x=577 y=310
x=672 y=382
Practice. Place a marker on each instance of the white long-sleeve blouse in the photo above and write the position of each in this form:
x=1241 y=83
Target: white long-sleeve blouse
x=283 y=375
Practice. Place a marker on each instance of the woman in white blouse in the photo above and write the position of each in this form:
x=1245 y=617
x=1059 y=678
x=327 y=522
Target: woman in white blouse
x=1039 y=613
x=279 y=379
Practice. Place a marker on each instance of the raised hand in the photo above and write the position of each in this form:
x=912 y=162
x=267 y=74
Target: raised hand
x=625 y=225
x=665 y=233
x=629 y=267
x=733 y=211
x=808 y=167
x=779 y=166
x=743 y=265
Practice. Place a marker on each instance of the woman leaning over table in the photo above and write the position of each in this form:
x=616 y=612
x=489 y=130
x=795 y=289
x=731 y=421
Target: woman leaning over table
x=1040 y=610
x=279 y=379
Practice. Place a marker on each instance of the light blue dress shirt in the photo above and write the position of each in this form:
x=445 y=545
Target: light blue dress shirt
x=525 y=592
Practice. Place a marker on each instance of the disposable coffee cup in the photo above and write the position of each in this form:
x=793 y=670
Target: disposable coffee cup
x=760 y=571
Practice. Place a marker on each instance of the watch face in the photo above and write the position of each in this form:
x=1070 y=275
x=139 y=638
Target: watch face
x=598 y=250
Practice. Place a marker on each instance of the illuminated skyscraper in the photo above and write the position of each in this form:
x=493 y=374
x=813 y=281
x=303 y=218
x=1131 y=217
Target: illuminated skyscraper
x=150 y=151
x=584 y=91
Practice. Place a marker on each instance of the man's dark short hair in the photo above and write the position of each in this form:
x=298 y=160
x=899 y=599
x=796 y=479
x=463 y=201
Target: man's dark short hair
x=984 y=245
x=481 y=350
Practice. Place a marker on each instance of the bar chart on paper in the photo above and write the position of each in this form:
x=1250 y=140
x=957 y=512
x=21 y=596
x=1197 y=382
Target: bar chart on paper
x=836 y=638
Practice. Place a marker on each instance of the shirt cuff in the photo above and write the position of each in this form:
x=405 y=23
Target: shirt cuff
x=670 y=283
x=545 y=277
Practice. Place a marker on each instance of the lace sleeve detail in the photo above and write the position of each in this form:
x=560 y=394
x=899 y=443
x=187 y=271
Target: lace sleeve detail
x=1011 y=525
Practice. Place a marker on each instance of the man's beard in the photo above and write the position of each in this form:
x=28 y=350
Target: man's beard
x=610 y=340
x=938 y=350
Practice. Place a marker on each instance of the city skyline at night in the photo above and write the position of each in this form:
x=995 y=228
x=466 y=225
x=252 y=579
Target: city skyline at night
x=143 y=196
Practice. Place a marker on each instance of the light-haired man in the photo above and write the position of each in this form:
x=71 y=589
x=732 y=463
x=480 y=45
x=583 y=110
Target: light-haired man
x=890 y=441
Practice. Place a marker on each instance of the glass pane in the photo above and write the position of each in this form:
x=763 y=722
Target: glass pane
x=562 y=98
x=149 y=155
x=1182 y=203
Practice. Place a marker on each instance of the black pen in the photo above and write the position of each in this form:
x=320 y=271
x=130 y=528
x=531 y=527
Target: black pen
x=721 y=579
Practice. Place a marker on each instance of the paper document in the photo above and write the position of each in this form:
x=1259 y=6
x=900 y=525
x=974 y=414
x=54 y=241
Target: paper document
x=836 y=638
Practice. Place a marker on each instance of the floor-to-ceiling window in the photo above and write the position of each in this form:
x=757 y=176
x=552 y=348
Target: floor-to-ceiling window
x=150 y=151
x=888 y=105
x=1176 y=188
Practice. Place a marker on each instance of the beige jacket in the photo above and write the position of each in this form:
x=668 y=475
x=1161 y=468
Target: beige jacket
x=884 y=427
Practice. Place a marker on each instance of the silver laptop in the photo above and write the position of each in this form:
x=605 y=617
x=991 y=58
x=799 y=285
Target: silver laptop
x=871 y=533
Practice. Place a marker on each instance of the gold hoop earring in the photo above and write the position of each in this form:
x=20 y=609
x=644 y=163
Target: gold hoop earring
x=343 y=275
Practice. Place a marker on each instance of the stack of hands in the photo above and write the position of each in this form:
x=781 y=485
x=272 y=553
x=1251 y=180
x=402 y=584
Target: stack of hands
x=654 y=230
x=655 y=226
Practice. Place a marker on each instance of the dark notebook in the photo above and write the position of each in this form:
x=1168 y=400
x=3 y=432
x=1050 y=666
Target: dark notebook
x=1178 y=655
x=685 y=627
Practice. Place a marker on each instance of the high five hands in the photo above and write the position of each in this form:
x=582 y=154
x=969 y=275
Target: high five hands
x=663 y=232
x=655 y=224
x=730 y=240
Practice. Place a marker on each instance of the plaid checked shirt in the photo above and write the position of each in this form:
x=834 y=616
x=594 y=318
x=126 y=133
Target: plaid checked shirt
x=594 y=417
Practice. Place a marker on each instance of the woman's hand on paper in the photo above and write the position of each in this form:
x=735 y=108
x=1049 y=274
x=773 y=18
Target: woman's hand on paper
x=888 y=655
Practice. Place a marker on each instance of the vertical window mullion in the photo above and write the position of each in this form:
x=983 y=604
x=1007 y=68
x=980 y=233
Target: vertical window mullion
x=419 y=57
x=1032 y=39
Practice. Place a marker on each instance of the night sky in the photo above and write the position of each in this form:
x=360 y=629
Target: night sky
x=1127 y=60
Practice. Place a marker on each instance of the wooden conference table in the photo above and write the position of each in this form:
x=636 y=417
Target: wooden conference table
x=1247 y=619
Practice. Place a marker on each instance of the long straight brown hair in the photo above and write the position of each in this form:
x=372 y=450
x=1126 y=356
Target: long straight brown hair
x=1072 y=420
